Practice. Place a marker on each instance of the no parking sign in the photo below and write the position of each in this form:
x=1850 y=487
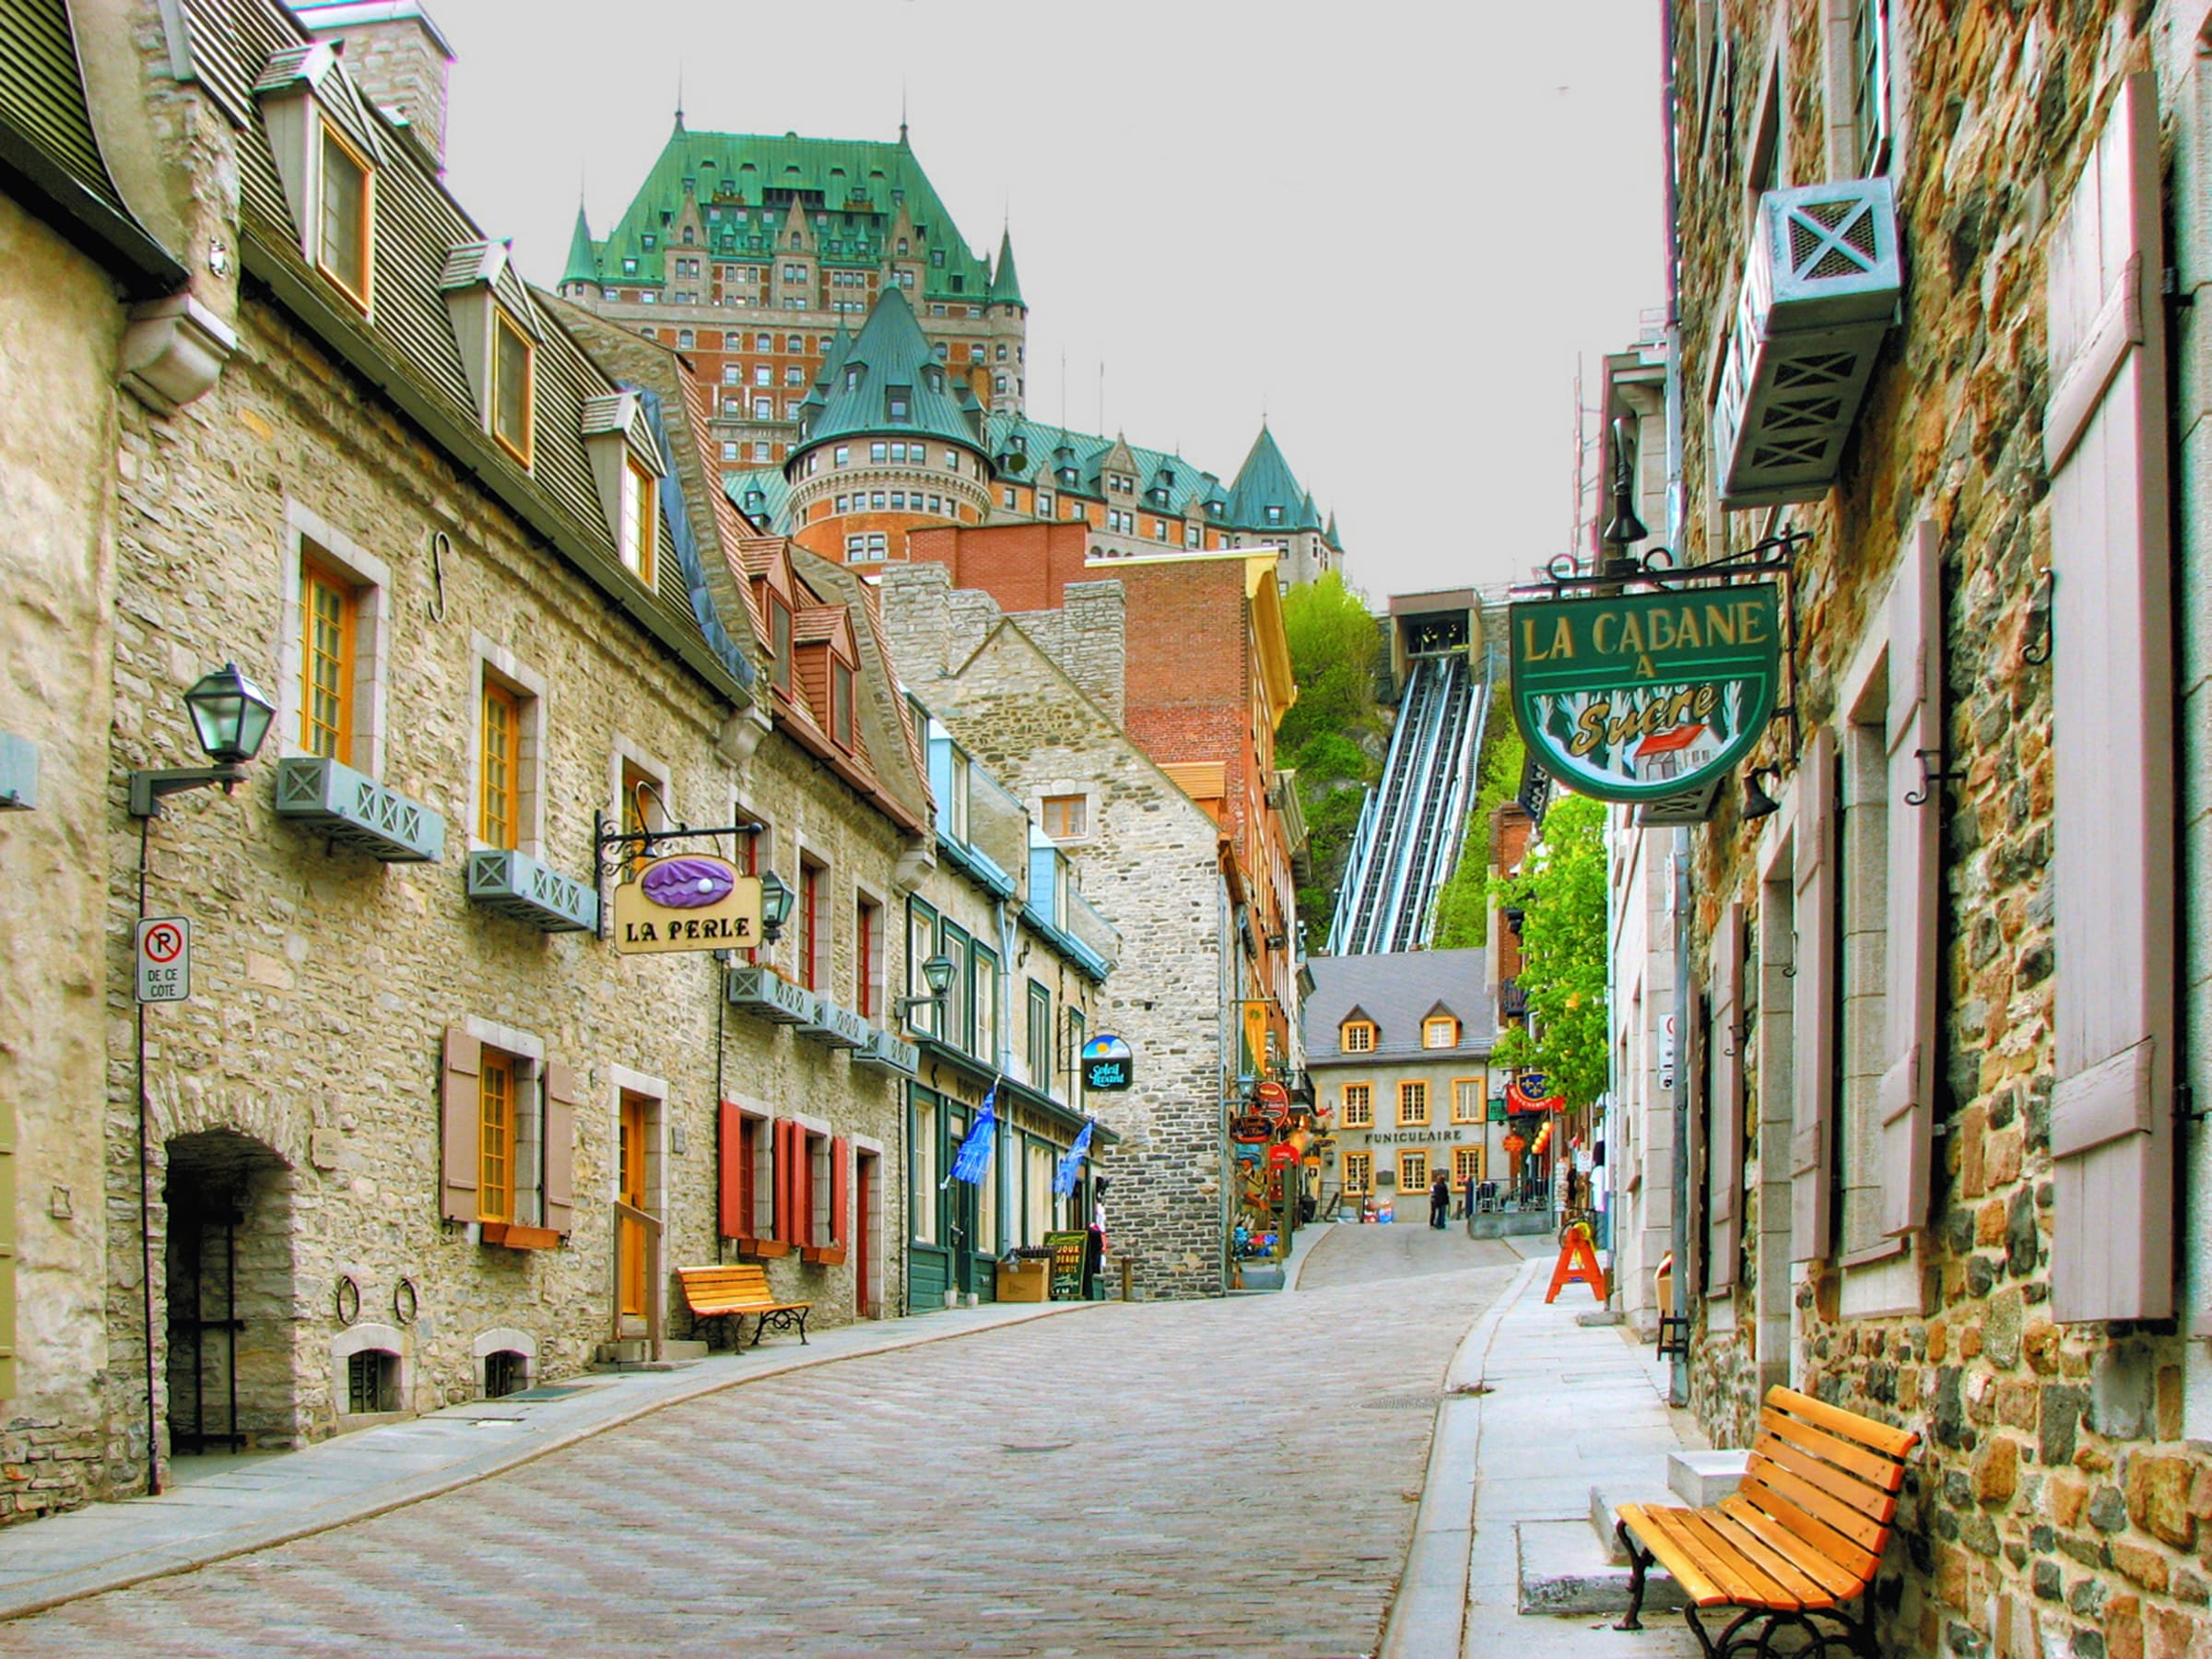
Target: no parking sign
x=164 y=959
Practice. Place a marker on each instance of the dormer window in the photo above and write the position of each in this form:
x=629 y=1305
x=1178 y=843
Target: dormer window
x=778 y=642
x=346 y=239
x=1439 y=1032
x=513 y=387
x=1357 y=1036
x=840 y=704
x=641 y=521
x=899 y=403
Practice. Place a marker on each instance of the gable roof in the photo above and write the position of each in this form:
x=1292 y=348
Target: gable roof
x=742 y=188
x=1397 y=991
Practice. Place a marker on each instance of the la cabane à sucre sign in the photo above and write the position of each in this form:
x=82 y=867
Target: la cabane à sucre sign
x=689 y=902
x=1642 y=697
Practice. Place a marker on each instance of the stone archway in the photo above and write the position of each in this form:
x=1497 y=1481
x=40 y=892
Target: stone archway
x=229 y=1277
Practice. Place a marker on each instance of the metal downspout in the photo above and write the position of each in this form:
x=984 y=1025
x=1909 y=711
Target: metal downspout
x=1678 y=1384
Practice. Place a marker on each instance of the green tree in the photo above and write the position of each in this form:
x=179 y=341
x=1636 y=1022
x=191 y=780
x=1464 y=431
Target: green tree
x=1331 y=734
x=1561 y=896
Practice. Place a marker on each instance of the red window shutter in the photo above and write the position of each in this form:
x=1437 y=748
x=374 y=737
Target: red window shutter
x=841 y=1189
x=561 y=1097
x=2112 y=740
x=1905 y=1098
x=733 y=1159
x=459 y=1120
x=1724 y=1175
x=1813 y=998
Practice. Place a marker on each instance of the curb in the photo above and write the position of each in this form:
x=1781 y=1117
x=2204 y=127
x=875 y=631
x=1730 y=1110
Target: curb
x=1428 y=1614
x=93 y=1581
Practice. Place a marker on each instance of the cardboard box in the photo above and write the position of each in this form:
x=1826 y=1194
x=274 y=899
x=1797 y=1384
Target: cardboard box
x=1024 y=1281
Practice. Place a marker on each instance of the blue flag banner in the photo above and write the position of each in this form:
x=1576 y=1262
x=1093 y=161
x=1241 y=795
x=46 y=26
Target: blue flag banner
x=975 y=1151
x=1071 y=1163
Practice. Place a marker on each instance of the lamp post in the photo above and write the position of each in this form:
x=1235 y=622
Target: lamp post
x=230 y=716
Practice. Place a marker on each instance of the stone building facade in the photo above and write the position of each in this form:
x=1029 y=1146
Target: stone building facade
x=1939 y=995
x=1036 y=698
x=481 y=562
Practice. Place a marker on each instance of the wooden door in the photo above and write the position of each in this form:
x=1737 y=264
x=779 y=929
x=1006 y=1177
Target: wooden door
x=630 y=1268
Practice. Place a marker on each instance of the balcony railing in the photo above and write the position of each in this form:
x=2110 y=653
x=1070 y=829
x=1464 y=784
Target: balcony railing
x=518 y=887
x=356 y=811
x=1820 y=289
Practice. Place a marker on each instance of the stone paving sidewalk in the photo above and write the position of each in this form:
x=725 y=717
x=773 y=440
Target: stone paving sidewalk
x=222 y=1507
x=1568 y=1406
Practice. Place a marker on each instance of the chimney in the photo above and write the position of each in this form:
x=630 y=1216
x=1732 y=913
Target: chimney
x=396 y=55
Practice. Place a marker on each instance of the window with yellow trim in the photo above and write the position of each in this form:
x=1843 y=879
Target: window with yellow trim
x=1358 y=1105
x=1442 y=1033
x=1357 y=1036
x=1466 y=1165
x=1359 y=1172
x=344 y=240
x=1413 y=1169
x=495 y=1138
x=513 y=386
x=1413 y=1105
x=329 y=617
x=641 y=521
x=500 y=793
x=1468 y=1100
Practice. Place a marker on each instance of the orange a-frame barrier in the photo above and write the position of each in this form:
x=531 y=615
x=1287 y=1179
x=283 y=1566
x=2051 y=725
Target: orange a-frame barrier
x=1578 y=1266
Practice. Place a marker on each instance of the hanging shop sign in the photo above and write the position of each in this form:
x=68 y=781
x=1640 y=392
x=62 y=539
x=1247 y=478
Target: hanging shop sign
x=693 y=901
x=1251 y=1129
x=1521 y=1095
x=1641 y=698
x=1108 y=1064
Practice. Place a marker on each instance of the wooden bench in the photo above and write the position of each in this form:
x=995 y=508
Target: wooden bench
x=733 y=1292
x=1801 y=1537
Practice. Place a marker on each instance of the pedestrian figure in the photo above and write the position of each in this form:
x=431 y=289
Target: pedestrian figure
x=1440 y=1201
x=1094 y=1245
x=1467 y=1209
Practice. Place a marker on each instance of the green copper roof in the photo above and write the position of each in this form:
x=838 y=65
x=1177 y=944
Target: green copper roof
x=1266 y=480
x=761 y=493
x=887 y=380
x=737 y=190
x=1006 y=282
x=1165 y=481
x=584 y=265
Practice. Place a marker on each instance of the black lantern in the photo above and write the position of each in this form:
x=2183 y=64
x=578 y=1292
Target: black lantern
x=230 y=716
x=1757 y=802
x=775 y=905
x=937 y=974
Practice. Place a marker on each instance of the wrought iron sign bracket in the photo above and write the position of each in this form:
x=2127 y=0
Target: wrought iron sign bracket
x=1930 y=777
x=612 y=850
x=2041 y=621
x=1774 y=555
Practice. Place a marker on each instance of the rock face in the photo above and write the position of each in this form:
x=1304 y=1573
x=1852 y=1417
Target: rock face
x=2056 y=1507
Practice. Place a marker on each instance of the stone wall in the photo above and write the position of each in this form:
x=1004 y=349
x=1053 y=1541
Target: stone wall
x=325 y=980
x=59 y=329
x=2056 y=1508
x=1149 y=865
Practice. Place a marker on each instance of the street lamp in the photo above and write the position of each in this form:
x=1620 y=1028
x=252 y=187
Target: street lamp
x=937 y=974
x=230 y=716
x=775 y=906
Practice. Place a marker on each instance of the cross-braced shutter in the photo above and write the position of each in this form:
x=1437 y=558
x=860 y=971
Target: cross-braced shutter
x=1725 y=1169
x=459 y=1118
x=1813 y=996
x=560 y=1146
x=734 y=1214
x=1905 y=1098
x=2105 y=442
x=841 y=1188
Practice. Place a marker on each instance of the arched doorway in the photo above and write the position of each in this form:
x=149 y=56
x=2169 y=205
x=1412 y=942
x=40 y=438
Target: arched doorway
x=229 y=1278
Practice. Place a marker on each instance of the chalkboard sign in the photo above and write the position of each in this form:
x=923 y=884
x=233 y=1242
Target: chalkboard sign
x=1067 y=1263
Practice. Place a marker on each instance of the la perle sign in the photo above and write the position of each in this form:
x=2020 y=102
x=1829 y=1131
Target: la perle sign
x=1636 y=697
x=693 y=901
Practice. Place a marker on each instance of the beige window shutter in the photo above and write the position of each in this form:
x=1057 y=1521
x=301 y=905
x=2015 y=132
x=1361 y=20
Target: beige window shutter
x=1905 y=1098
x=459 y=1118
x=1813 y=997
x=560 y=1146
x=1724 y=1177
x=2112 y=742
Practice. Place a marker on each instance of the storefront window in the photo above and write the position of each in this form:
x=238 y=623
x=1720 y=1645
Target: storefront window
x=923 y=1163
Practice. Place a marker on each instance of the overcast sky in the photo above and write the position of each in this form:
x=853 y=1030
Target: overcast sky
x=1393 y=228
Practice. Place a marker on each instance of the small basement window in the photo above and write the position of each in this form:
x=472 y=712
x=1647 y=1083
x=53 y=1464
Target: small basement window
x=505 y=1373
x=371 y=1381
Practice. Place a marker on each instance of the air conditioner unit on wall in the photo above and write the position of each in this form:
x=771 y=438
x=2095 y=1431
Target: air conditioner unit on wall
x=1819 y=291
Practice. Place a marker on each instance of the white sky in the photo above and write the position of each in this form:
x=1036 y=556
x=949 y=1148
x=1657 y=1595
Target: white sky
x=1394 y=227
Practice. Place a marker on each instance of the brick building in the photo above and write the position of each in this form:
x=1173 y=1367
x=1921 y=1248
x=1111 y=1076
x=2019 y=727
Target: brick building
x=420 y=1134
x=1942 y=1010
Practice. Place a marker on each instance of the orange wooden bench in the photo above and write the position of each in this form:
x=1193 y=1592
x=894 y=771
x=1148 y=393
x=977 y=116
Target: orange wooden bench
x=733 y=1291
x=1800 y=1539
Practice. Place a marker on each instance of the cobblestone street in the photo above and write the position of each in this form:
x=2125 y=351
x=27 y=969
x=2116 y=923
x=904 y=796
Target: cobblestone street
x=1231 y=1477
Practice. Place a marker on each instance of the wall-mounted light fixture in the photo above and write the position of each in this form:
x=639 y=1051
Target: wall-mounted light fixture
x=775 y=905
x=1757 y=802
x=230 y=716
x=937 y=974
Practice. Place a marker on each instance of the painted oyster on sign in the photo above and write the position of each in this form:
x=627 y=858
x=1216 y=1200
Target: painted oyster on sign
x=689 y=883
